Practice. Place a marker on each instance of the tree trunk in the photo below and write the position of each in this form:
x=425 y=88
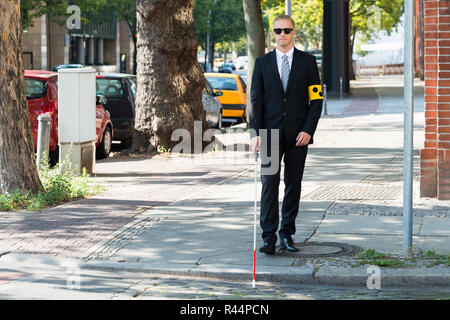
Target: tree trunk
x=351 y=44
x=170 y=79
x=212 y=51
x=134 y=54
x=255 y=40
x=17 y=165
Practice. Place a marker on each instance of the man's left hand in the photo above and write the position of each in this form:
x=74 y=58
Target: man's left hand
x=302 y=139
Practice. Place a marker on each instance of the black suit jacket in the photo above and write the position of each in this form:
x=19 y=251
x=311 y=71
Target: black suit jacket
x=291 y=111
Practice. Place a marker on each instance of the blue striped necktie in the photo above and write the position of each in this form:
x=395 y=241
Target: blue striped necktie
x=285 y=72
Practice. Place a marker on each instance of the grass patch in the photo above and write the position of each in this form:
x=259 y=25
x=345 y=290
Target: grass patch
x=437 y=259
x=372 y=257
x=59 y=187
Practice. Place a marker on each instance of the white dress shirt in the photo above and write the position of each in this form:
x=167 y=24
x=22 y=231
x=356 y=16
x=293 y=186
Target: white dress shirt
x=290 y=55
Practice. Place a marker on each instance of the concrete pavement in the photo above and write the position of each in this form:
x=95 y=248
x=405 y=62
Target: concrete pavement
x=195 y=218
x=352 y=194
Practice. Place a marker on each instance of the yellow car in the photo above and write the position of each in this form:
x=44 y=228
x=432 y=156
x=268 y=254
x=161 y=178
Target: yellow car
x=233 y=99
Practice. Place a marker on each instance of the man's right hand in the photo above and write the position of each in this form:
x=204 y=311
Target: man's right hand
x=255 y=142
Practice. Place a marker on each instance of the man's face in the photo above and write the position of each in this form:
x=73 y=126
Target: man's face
x=282 y=39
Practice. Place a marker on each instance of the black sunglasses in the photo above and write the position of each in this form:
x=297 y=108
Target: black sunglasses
x=286 y=30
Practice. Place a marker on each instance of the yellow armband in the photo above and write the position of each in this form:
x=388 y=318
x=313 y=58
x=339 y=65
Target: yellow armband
x=315 y=92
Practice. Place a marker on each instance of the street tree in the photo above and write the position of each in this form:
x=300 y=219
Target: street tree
x=169 y=78
x=18 y=169
x=367 y=18
x=255 y=39
x=222 y=20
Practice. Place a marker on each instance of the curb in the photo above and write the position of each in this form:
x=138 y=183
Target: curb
x=305 y=275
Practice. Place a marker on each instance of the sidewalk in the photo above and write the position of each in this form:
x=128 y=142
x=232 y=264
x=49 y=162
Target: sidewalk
x=352 y=195
x=172 y=215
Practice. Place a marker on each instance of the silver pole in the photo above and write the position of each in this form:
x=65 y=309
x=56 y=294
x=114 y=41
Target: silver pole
x=289 y=7
x=408 y=128
x=254 y=219
x=43 y=139
x=325 y=111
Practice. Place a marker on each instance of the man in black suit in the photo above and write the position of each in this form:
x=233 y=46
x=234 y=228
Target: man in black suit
x=286 y=101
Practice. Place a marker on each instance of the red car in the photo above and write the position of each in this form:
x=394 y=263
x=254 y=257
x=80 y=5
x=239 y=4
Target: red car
x=42 y=96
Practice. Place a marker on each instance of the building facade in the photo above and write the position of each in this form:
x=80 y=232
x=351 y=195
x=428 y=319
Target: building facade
x=105 y=46
x=435 y=155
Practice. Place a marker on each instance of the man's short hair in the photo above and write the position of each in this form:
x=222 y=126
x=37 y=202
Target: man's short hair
x=284 y=17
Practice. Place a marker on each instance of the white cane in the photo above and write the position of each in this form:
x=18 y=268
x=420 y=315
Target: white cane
x=254 y=218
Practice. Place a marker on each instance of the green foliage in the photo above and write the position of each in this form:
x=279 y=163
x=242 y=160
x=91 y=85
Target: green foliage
x=372 y=257
x=368 y=17
x=162 y=149
x=59 y=187
x=224 y=20
x=101 y=10
x=437 y=259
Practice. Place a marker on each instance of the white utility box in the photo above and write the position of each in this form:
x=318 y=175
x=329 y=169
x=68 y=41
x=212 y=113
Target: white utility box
x=76 y=118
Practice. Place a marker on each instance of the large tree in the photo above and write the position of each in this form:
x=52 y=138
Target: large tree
x=255 y=38
x=368 y=18
x=170 y=80
x=223 y=20
x=17 y=165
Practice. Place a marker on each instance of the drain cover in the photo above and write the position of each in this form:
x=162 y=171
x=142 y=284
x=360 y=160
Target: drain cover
x=321 y=250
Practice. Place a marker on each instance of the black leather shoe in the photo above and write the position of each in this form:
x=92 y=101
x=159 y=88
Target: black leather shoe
x=288 y=245
x=267 y=248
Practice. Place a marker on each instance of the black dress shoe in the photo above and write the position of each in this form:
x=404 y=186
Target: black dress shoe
x=288 y=245
x=268 y=248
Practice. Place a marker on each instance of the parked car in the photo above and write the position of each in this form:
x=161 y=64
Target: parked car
x=233 y=99
x=241 y=62
x=227 y=68
x=41 y=88
x=212 y=106
x=120 y=91
x=67 y=66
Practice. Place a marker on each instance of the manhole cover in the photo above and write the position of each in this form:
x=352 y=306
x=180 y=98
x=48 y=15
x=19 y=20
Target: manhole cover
x=320 y=250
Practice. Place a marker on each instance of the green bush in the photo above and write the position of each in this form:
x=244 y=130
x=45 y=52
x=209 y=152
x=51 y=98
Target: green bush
x=58 y=186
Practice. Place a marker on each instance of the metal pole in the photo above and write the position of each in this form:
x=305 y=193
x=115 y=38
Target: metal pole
x=408 y=128
x=325 y=111
x=43 y=140
x=254 y=219
x=289 y=7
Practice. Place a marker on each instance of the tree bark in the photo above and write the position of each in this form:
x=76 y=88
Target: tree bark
x=255 y=40
x=17 y=163
x=170 y=79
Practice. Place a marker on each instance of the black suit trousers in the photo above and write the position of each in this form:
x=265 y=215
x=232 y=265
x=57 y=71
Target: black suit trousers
x=294 y=162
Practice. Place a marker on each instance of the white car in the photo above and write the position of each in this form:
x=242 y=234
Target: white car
x=241 y=62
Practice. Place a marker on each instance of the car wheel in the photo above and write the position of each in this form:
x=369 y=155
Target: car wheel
x=104 y=149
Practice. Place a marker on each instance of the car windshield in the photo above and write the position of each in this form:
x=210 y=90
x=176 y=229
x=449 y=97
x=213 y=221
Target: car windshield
x=35 y=88
x=222 y=83
x=110 y=88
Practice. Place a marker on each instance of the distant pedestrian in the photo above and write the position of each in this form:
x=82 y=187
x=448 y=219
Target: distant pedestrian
x=286 y=95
